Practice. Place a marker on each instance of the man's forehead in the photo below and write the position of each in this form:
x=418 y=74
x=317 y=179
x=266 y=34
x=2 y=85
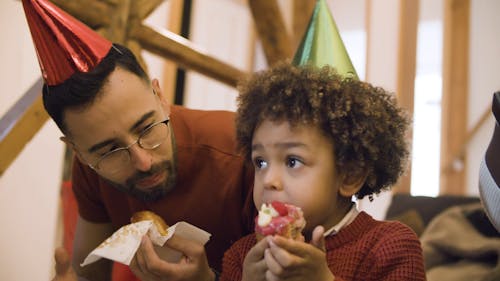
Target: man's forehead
x=87 y=128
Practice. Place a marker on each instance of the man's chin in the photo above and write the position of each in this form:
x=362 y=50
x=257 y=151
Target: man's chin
x=151 y=194
x=137 y=186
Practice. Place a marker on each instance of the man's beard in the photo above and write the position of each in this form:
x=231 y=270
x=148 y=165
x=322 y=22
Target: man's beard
x=154 y=193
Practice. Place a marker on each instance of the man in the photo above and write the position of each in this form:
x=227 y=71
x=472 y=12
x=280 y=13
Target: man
x=489 y=172
x=137 y=152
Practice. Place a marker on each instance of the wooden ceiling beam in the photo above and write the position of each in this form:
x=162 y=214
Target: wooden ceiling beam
x=96 y=14
x=143 y=8
x=174 y=47
x=302 y=11
x=271 y=29
x=20 y=124
x=117 y=31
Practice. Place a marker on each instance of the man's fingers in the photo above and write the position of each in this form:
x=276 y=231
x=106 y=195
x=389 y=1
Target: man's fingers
x=188 y=248
x=63 y=263
x=147 y=258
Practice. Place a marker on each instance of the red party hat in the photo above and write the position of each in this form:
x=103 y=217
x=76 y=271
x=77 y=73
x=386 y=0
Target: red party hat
x=63 y=44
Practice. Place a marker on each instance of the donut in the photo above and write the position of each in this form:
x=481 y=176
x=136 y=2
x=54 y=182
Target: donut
x=278 y=218
x=160 y=224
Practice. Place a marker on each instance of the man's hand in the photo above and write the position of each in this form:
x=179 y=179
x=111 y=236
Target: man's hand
x=254 y=266
x=295 y=260
x=193 y=266
x=64 y=270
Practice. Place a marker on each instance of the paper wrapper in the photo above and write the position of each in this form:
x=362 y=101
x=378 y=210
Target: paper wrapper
x=122 y=245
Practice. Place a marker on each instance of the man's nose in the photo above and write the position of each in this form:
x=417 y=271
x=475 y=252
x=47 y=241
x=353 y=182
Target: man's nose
x=140 y=158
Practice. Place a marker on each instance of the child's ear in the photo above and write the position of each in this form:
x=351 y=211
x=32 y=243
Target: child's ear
x=351 y=184
x=72 y=146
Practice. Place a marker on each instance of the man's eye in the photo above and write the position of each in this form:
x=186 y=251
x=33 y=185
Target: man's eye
x=145 y=129
x=259 y=163
x=108 y=150
x=294 y=162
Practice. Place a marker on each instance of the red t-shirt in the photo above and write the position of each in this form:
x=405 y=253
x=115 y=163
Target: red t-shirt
x=365 y=250
x=213 y=189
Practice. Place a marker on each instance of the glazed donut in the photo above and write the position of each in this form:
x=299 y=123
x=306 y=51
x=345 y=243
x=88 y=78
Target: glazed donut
x=277 y=218
x=148 y=215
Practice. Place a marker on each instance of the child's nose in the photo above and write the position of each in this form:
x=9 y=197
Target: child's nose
x=272 y=180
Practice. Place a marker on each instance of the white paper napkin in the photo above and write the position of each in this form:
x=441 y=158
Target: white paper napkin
x=122 y=245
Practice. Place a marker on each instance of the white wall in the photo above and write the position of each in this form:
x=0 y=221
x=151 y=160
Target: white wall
x=484 y=80
x=222 y=29
x=29 y=189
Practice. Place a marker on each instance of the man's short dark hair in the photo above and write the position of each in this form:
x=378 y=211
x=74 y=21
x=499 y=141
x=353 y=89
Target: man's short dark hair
x=82 y=88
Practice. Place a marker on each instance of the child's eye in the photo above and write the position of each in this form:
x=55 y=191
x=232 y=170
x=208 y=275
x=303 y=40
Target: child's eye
x=294 y=162
x=259 y=163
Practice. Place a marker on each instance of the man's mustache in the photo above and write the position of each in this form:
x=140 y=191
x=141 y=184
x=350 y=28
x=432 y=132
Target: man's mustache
x=139 y=175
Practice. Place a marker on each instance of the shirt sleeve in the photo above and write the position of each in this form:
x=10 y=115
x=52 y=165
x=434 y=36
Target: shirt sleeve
x=86 y=187
x=397 y=255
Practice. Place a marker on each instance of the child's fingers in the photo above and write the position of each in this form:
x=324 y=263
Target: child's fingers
x=318 y=240
x=287 y=253
x=272 y=264
x=257 y=252
x=290 y=246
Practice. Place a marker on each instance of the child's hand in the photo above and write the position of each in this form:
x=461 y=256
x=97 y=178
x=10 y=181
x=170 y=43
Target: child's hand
x=289 y=260
x=254 y=266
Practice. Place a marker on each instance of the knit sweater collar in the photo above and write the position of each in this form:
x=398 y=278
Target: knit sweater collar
x=351 y=232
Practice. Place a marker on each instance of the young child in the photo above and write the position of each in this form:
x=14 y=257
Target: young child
x=315 y=140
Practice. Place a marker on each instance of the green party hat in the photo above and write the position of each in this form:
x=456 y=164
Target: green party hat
x=322 y=44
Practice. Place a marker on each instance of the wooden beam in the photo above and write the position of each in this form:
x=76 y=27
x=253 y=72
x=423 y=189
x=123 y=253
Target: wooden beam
x=172 y=46
x=271 y=29
x=136 y=48
x=117 y=30
x=174 y=24
x=20 y=124
x=94 y=14
x=407 y=57
x=455 y=93
x=143 y=8
x=302 y=12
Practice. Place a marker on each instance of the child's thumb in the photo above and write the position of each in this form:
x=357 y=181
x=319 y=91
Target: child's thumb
x=318 y=240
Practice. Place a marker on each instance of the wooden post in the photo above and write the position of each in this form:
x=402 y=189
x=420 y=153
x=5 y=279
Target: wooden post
x=405 y=90
x=455 y=93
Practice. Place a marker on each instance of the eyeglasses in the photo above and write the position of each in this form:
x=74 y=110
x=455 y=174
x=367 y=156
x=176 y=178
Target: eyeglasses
x=152 y=137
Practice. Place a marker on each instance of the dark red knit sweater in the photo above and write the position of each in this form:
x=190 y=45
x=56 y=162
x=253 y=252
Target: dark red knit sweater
x=364 y=250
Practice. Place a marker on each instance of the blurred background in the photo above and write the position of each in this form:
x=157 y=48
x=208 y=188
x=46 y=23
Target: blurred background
x=440 y=57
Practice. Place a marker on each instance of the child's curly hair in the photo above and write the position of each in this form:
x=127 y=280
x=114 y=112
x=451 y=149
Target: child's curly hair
x=366 y=126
